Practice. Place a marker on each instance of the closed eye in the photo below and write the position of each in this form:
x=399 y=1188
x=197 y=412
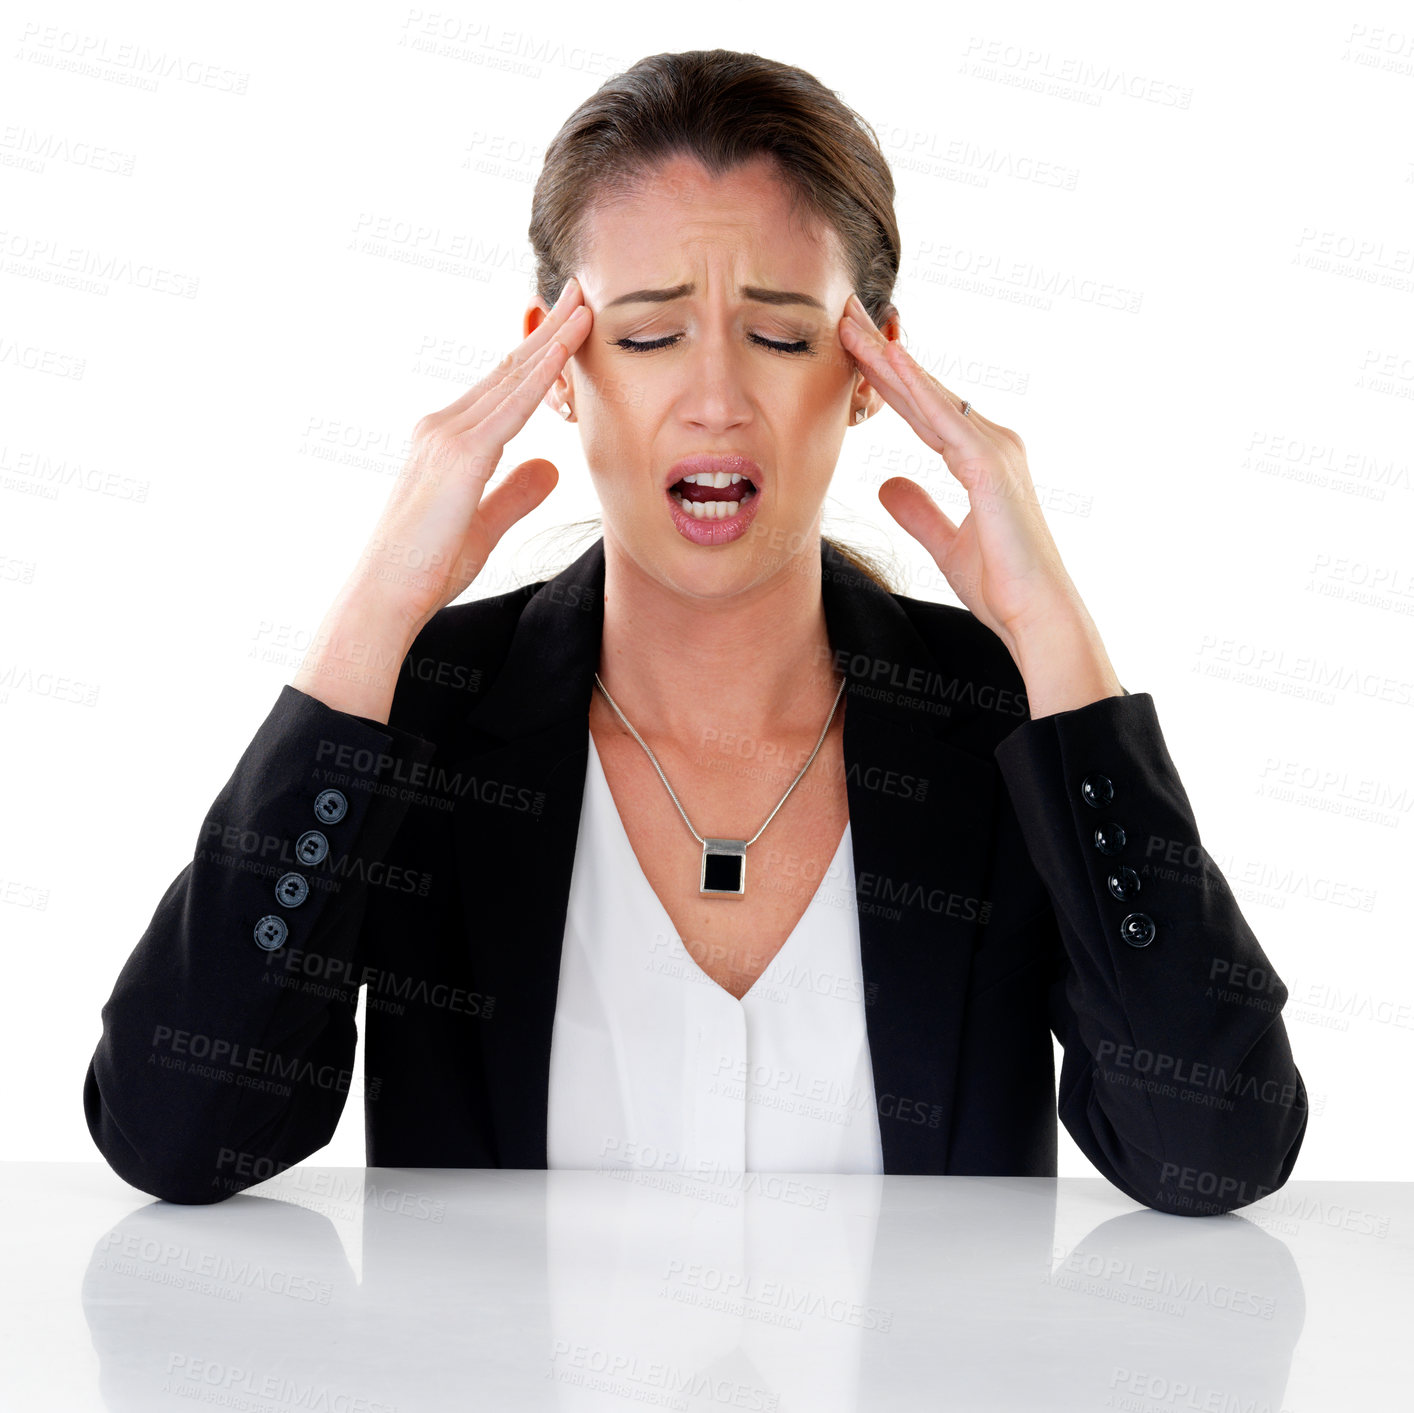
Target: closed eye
x=647 y=346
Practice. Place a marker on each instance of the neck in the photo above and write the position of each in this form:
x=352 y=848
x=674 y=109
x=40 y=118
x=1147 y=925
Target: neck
x=682 y=666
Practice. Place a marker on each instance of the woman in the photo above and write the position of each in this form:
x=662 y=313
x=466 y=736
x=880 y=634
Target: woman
x=524 y=822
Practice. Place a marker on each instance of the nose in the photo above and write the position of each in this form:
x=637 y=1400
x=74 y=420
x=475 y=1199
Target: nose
x=715 y=395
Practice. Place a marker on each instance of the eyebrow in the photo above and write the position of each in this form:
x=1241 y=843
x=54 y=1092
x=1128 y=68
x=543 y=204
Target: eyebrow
x=755 y=293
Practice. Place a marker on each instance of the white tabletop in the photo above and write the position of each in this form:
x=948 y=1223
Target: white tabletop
x=358 y=1291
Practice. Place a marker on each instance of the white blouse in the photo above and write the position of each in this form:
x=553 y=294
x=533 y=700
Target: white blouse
x=654 y=1065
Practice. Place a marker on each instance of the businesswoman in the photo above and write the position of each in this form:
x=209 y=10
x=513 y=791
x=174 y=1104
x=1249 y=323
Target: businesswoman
x=711 y=853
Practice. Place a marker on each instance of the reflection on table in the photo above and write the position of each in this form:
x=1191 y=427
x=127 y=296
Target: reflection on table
x=366 y=1292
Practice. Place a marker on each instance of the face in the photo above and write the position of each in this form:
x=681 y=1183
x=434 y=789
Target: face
x=719 y=368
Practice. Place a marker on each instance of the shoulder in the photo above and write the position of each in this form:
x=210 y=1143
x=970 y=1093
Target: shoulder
x=489 y=622
x=455 y=658
x=956 y=636
x=976 y=673
x=461 y=650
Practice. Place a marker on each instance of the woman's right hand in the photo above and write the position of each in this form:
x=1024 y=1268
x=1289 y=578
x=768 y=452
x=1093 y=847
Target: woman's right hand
x=440 y=523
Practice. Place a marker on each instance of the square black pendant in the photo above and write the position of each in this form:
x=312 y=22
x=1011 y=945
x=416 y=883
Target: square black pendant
x=723 y=868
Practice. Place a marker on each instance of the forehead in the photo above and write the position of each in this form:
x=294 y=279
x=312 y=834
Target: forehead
x=680 y=218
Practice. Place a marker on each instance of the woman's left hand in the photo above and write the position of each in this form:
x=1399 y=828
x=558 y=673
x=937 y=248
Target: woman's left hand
x=1002 y=561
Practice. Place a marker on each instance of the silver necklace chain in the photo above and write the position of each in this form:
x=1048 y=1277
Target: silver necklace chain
x=669 y=788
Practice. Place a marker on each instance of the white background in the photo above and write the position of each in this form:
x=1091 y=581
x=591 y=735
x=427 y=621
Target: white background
x=186 y=481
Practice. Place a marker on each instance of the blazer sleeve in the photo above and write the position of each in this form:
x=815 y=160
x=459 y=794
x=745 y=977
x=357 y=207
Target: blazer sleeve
x=228 y=1041
x=1177 y=1081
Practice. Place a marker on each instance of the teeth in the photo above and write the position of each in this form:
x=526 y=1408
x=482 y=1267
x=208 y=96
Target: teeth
x=713 y=478
x=708 y=509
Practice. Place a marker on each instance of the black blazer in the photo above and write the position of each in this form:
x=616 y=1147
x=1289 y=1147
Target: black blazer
x=1014 y=879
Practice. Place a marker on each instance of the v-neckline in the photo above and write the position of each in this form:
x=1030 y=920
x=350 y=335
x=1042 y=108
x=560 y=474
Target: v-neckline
x=626 y=847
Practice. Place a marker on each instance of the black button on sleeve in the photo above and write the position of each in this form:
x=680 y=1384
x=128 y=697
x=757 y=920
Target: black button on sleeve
x=270 y=932
x=1124 y=883
x=1137 y=929
x=311 y=847
x=1109 y=837
x=292 y=889
x=1097 y=791
x=330 y=806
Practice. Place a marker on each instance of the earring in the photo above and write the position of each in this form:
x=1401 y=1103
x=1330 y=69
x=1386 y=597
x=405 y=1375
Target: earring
x=565 y=411
x=859 y=415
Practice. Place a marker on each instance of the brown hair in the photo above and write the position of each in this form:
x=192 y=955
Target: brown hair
x=723 y=108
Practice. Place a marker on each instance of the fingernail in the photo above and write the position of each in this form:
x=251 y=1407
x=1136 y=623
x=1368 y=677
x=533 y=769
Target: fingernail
x=856 y=310
x=565 y=293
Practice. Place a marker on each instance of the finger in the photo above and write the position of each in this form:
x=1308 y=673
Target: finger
x=918 y=513
x=869 y=359
x=570 y=337
x=571 y=299
x=469 y=449
x=490 y=433
x=934 y=412
x=875 y=355
x=515 y=497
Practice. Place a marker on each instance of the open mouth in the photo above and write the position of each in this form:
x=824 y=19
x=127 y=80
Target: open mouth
x=712 y=495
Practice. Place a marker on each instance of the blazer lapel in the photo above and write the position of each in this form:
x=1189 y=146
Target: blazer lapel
x=921 y=809
x=525 y=745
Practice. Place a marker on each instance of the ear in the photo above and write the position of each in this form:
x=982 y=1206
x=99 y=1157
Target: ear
x=535 y=313
x=865 y=393
x=558 y=396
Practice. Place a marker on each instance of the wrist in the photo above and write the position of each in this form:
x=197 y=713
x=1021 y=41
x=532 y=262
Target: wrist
x=356 y=657
x=365 y=607
x=1064 y=664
